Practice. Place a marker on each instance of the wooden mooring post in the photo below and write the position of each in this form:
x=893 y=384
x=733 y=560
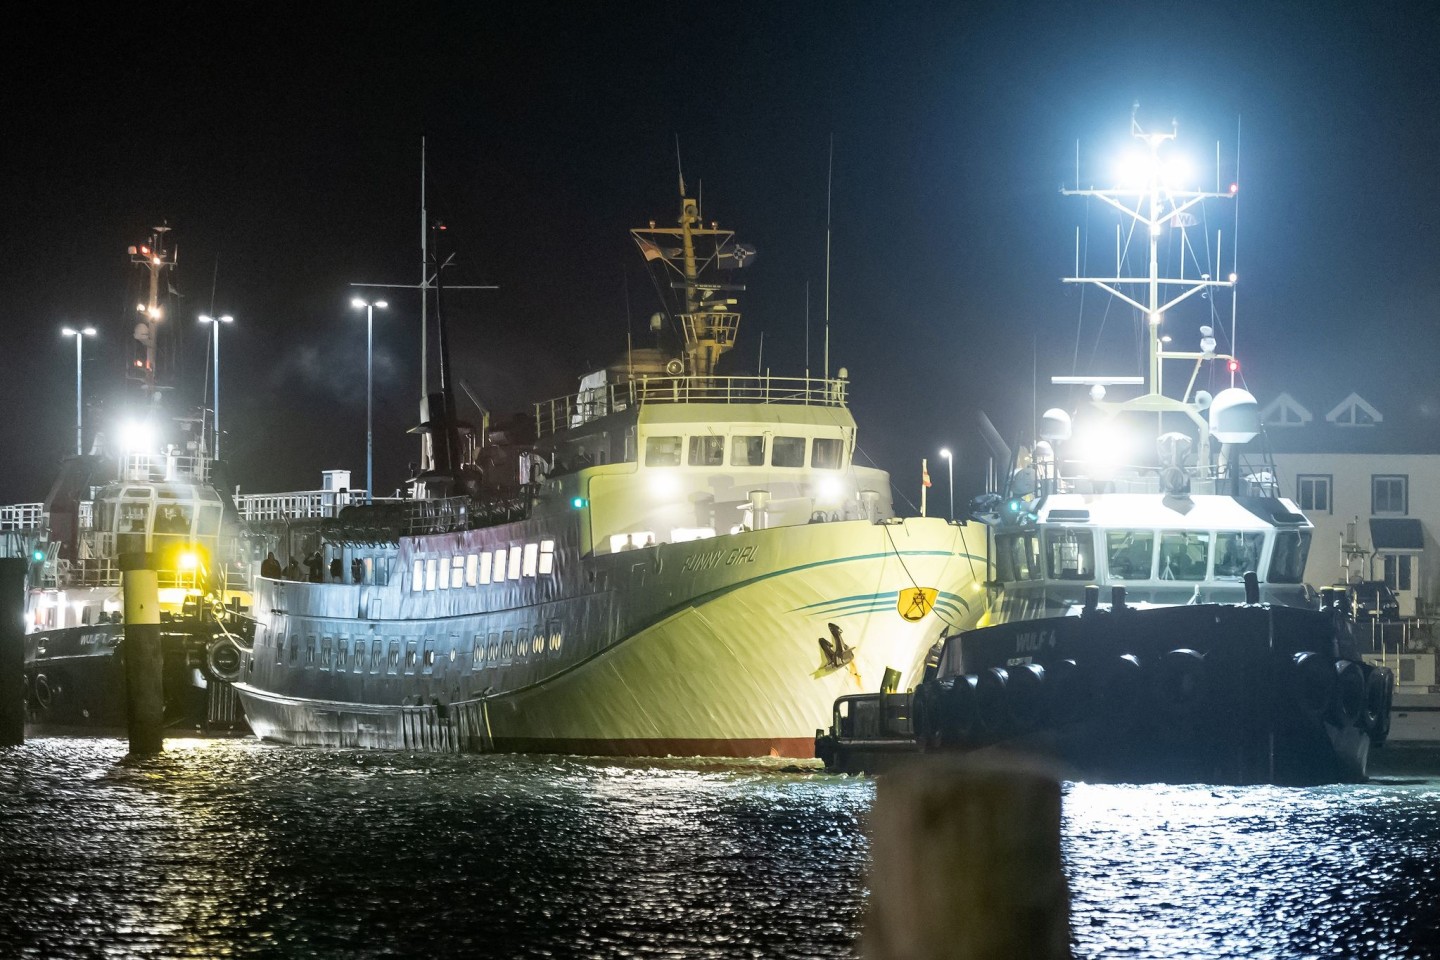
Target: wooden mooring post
x=965 y=863
x=12 y=652
x=144 y=661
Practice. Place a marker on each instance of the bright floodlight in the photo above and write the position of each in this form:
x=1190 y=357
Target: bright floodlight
x=1177 y=171
x=226 y=318
x=357 y=303
x=88 y=331
x=381 y=304
x=138 y=436
x=945 y=452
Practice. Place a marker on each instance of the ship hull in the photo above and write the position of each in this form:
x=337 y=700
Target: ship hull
x=725 y=661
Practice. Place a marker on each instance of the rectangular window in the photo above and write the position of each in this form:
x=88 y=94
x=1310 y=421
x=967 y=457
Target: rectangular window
x=557 y=636
x=1071 y=554
x=310 y=650
x=747 y=451
x=1389 y=494
x=515 y=557
x=1236 y=553
x=472 y=570
x=294 y=649
x=662 y=451
x=359 y=658
x=427 y=657
x=377 y=571
x=532 y=559
x=492 y=649
x=547 y=557
x=327 y=652
x=500 y=565
x=412 y=655
x=377 y=655
x=1184 y=555
x=392 y=663
x=1017 y=557
x=825 y=453
x=417 y=576
x=430 y=571
x=1397 y=571
x=457 y=572
x=787 y=452
x=507 y=645
x=485 y=560
x=1130 y=553
x=1313 y=492
x=1287 y=558
x=707 y=451
x=477 y=655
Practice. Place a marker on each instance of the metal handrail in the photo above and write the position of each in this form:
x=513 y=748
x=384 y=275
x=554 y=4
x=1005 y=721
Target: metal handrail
x=576 y=409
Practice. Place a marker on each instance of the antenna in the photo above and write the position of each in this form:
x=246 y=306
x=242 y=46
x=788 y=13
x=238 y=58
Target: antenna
x=678 y=168
x=1235 y=243
x=807 y=330
x=829 y=181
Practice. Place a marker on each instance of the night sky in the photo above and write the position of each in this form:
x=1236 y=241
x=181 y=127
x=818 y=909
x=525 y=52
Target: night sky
x=282 y=144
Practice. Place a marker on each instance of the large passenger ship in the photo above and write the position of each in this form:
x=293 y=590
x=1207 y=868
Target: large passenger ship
x=677 y=562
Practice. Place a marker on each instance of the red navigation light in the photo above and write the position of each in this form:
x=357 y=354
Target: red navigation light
x=145 y=251
x=1234 y=365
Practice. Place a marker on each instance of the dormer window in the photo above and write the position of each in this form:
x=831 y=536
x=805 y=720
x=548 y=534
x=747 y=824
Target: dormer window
x=1354 y=411
x=1285 y=411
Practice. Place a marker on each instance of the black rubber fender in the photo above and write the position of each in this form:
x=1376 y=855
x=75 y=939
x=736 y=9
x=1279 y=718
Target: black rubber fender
x=957 y=707
x=1379 y=691
x=223 y=660
x=1311 y=683
x=1349 y=693
x=1180 y=683
x=1121 y=687
x=990 y=701
x=1025 y=697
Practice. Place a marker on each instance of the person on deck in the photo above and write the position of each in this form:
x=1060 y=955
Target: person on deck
x=270 y=567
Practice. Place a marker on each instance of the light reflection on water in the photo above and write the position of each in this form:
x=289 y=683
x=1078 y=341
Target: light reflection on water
x=234 y=848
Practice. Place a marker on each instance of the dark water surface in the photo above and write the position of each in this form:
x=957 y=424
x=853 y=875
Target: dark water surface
x=238 y=849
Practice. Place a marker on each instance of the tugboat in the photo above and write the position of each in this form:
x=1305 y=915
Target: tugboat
x=1212 y=662
x=146 y=488
x=671 y=561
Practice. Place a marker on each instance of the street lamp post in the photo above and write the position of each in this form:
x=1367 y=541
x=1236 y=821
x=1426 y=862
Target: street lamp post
x=357 y=303
x=950 y=462
x=79 y=336
x=217 y=321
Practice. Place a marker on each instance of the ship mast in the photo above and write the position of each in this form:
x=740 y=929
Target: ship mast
x=155 y=259
x=709 y=322
x=1154 y=200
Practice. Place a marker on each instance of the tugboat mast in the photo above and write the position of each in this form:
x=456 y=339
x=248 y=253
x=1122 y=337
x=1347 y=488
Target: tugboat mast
x=155 y=259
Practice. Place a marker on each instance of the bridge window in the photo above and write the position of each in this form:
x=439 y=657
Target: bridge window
x=1184 y=555
x=472 y=570
x=1236 y=553
x=1287 y=560
x=547 y=557
x=747 y=451
x=788 y=452
x=515 y=557
x=707 y=451
x=532 y=559
x=1017 y=557
x=662 y=451
x=457 y=572
x=1070 y=554
x=825 y=453
x=1130 y=553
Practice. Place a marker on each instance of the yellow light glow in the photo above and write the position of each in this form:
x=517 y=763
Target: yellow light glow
x=188 y=560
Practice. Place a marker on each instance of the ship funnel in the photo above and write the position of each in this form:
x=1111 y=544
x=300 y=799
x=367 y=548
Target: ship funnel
x=1234 y=416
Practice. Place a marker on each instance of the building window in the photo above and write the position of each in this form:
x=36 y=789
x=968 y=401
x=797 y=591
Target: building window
x=1397 y=571
x=1314 y=492
x=662 y=451
x=1389 y=494
x=547 y=557
x=707 y=451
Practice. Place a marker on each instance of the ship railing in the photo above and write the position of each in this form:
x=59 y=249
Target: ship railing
x=295 y=505
x=577 y=409
x=161 y=467
x=20 y=517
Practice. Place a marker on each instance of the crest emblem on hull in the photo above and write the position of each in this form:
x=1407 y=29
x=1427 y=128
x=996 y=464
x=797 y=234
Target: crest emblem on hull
x=915 y=602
